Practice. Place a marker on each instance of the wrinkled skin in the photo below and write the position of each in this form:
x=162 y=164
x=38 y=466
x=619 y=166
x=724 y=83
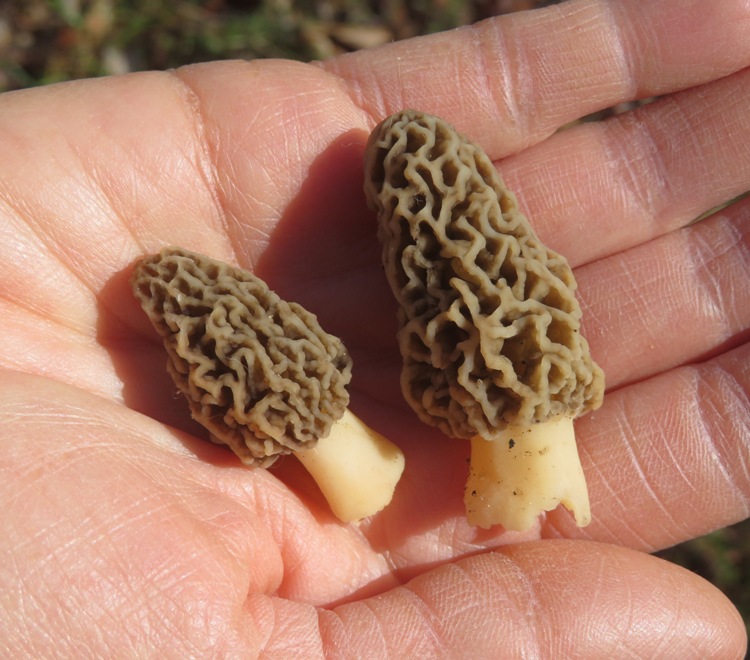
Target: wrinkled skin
x=123 y=534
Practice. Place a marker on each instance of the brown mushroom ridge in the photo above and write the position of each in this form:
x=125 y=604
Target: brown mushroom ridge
x=258 y=372
x=489 y=324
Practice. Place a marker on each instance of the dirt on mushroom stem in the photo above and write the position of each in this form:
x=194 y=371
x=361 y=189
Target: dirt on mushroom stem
x=509 y=477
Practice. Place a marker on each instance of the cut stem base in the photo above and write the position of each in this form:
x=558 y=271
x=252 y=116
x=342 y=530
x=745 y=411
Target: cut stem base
x=355 y=468
x=527 y=471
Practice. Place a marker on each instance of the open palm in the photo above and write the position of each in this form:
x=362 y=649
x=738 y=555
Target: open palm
x=122 y=532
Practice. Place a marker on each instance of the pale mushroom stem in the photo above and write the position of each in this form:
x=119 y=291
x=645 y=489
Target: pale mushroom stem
x=527 y=471
x=355 y=468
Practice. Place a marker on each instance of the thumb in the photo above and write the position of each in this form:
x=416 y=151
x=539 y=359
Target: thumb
x=547 y=599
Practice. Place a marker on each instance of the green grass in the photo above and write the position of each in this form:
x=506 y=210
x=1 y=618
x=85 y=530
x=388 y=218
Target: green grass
x=45 y=41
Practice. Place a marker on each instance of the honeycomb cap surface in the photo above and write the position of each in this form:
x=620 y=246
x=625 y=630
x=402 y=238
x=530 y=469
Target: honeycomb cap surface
x=489 y=325
x=258 y=372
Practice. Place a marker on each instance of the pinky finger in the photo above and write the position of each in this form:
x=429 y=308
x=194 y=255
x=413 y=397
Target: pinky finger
x=551 y=599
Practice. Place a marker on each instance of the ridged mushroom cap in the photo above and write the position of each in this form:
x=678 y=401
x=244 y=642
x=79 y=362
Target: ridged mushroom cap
x=258 y=372
x=489 y=322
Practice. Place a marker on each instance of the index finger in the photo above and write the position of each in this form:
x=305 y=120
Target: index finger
x=509 y=82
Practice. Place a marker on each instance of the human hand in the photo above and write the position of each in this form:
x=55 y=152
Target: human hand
x=123 y=535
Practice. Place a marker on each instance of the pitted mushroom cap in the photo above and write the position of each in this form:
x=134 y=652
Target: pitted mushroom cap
x=258 y=372
x=489 y=323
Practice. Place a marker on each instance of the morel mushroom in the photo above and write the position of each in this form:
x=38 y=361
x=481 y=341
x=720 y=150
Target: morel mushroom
x=489 y=327
x=264 y=378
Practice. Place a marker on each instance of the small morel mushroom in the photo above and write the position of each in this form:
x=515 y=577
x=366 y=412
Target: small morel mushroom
x=264 y=378
x=488 y=321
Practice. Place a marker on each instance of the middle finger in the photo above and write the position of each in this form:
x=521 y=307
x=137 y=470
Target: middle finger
x=600 y=188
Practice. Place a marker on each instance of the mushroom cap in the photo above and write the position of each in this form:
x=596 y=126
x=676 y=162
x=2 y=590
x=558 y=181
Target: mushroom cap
x=489 y=323
x=258 y=372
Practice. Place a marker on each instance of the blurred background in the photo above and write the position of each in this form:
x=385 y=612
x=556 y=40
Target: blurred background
x=47 y=41
x=44 y=41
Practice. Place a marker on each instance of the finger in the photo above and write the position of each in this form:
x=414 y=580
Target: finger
x=671 y=301
x=668 y=459
x=602 y=187
x=511 y=81
x=543 y=599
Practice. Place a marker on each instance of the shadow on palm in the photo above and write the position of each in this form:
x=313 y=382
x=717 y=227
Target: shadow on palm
x=323 y=254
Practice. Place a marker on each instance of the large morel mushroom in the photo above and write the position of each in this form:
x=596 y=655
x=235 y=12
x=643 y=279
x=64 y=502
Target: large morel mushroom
x=264 y=378
x=489 y=323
